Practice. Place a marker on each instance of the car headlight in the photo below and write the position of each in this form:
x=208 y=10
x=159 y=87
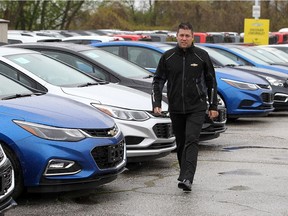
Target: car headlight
x=51 y=133
x=274 y=82
x=123 y=114
x=241 y=85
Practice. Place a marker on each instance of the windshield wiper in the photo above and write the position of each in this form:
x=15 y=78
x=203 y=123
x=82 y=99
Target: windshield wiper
x=16 y=96
x=88 y=84
x=231 y=65
x=149 y=76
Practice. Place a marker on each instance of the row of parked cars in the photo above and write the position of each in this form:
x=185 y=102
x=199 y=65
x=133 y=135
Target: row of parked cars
x=244 y=88
x=74 y=115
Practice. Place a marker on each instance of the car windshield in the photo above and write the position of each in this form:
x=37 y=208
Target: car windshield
x=282 y=48
x=9 y=88
x=50 y=70
x=222 y=59
x=276 y=55
x=249 y=56
x=262 y=54
x=117 y=64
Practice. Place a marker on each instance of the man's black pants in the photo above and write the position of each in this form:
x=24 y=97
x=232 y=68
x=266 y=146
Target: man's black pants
x=187 y=129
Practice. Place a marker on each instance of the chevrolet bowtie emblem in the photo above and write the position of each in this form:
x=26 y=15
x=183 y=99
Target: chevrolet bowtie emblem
x=112 y=132
x=194 y=65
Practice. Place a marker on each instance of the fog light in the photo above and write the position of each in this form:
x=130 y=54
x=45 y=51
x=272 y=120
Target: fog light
x=61 y=167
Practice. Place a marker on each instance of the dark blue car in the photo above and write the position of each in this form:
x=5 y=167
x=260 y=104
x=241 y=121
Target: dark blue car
x=242 y=94
x=56 y=144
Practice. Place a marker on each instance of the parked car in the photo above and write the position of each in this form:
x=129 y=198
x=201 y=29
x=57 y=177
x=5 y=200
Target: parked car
x=237 y=53
x=26 y=37
x=230 y=100
x=277 y=56
x=88 y=39
x=56 y=144
x=268 y=55
x=146 y=136
x=277 y=80
x=244 y=94
x=98 y=63
x=281 y=47
x=7 y=180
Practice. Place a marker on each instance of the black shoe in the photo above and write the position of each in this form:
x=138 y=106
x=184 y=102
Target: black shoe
x=185 y=185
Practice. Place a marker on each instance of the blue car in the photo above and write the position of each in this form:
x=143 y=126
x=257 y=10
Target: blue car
x=56 y=144
x=238 y=54
x=242 y=94
x=277 y=80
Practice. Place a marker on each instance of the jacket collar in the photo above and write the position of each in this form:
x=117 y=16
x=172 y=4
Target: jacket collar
x=189 y=49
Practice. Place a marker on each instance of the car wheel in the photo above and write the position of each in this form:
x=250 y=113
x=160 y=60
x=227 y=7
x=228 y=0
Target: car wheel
x=19 y=185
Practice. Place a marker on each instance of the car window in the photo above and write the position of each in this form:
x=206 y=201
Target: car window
x=9 y=87
x=144 y=57
x=116 y=64
x=17 y=75
x=79 y=64
x=112 y=49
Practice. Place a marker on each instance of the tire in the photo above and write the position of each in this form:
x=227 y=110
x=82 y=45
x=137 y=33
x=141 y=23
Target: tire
x=19 y=183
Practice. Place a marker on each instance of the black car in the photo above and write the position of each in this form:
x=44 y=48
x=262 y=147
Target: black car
x=277 y=80
x=7 y=183
x=106 y=66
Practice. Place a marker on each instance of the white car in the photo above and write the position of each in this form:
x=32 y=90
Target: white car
x=88 y=39
x=14 y=38
x=147 y=136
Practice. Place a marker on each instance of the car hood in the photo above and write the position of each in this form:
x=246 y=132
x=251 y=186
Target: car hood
x=115 y=95
x=55 y=111
x=264 y=71
x=238 y=75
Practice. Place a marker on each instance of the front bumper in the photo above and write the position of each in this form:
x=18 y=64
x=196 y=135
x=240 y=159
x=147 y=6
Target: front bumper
x=148 y=139
x=53 y=185
x=212 y=129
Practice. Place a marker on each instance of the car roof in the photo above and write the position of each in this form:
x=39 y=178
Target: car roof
x=4 y=51
x=59 y=45
x=134 y=43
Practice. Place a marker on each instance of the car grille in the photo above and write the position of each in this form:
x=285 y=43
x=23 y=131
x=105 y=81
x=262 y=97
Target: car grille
x=106 y=132
x=267 y=97
x=163 y=130
x=280 y=98
x=109 y=156
x=6 y=180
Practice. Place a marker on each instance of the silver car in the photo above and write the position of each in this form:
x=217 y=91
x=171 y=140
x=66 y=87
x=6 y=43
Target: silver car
x=147 y=136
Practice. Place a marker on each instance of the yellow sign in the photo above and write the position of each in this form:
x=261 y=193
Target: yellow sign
x=256 y=31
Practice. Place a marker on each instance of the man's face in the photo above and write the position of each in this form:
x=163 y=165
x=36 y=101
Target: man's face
x=185 y=38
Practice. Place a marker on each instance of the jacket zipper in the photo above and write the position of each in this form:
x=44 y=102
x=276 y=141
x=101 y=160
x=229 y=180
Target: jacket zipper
x=183 y=77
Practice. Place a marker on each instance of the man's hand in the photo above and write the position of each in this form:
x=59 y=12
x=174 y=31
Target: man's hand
x=157 y=110
x=213 y=114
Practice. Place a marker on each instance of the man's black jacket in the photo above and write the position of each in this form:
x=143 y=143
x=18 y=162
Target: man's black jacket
x=190 y=79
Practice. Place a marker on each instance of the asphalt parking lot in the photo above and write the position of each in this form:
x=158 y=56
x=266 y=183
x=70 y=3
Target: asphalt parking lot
x=241 y=173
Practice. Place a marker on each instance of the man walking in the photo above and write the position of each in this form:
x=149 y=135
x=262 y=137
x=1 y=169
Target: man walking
x=191 y=91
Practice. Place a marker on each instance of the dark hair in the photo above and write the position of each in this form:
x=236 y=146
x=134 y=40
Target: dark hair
x=187 y=26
